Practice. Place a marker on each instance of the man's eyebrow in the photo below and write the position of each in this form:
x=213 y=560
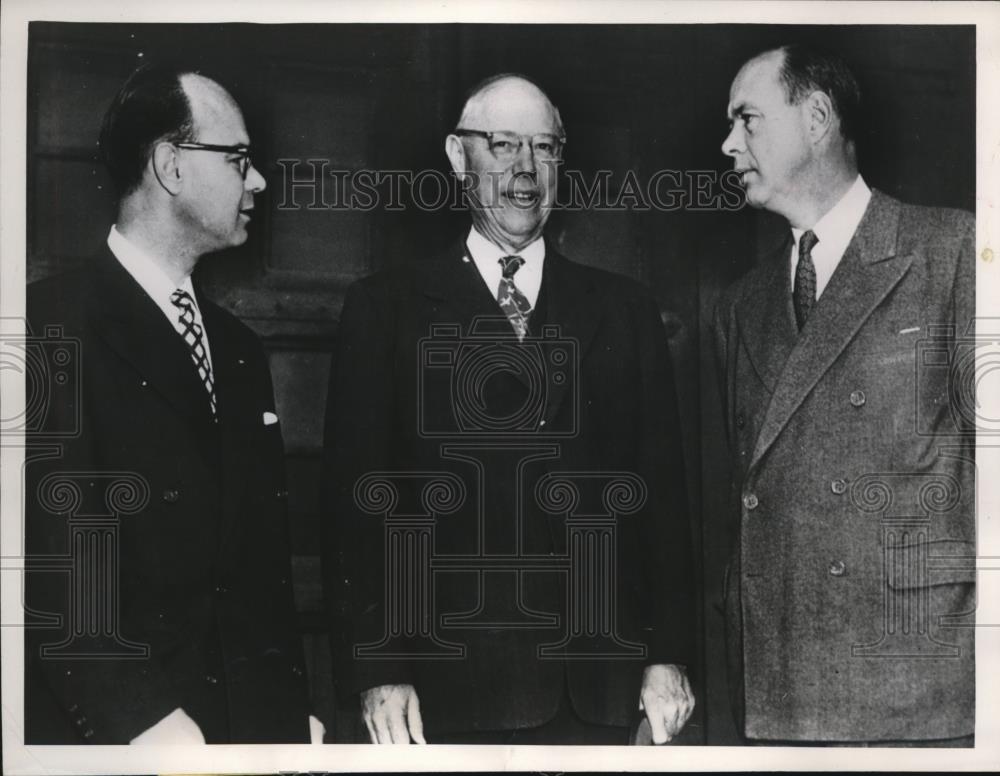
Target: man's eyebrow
x=736 y=110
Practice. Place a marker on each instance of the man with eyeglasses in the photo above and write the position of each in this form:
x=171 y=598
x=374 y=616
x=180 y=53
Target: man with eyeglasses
x=199 y=643
x=492 y=650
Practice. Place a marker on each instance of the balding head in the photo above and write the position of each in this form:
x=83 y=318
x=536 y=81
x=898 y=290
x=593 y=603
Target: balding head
x=789 y=111
x=507 y=98
x=151 y=107
x=802 y=70
x=210 y=104
x=178 y=150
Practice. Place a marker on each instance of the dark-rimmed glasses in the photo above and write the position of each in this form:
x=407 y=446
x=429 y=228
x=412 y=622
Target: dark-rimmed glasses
x=242 y=151
x=507 y=145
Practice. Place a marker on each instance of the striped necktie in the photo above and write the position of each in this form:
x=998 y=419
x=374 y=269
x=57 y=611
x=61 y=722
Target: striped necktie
x=195 y=339
x=514 y=304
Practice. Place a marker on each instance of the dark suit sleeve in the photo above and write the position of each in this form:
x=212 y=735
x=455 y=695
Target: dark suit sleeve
x=358 y=439
x=667 y=563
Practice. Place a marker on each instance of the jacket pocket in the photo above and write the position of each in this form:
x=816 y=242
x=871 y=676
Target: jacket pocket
x=930 y=563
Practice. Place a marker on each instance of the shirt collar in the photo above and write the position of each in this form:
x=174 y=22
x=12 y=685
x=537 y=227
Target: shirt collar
x=146 y=272
x=486 y=253
x=837 y=226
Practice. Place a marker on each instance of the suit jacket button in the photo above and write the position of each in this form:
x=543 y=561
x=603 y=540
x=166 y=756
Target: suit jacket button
x=296 y=670
x=837 y=568
x=858 y=398
x=750 y=501
x=741 y=420
x=281 y=494
x=88 y=733
x=838 y=486
x=171 y=495
x=211 y=679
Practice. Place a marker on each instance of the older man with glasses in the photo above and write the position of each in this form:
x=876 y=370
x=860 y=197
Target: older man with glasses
x=511 y=377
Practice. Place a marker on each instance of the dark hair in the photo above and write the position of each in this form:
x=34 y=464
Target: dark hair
x=150 y=107
x=806 y=69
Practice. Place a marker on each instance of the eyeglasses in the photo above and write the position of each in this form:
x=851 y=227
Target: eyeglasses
x=241 y=151
x=507 y=145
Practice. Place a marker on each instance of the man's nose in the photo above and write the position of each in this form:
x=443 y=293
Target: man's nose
x=254 y=182
x=733 y=144
x=525 y=160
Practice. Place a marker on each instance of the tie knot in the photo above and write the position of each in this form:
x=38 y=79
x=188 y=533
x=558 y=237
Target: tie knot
x=510 y=264
x=182 y=299
x=807 y=242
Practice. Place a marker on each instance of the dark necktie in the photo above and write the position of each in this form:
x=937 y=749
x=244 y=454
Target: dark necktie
x=514 y=304
x=804 y=293
x=194 y=337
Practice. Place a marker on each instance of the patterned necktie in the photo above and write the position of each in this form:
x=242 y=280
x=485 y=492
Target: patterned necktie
x=514 y=304
x=804 y=293
x=194 y=338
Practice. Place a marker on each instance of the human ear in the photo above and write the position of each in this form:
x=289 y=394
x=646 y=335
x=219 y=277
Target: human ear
x=455 y=150
x=819 y=108
x=164 y=163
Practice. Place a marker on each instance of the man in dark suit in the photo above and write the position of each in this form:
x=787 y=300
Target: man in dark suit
x=850 y=594
x=166 y=489
x=548 y=596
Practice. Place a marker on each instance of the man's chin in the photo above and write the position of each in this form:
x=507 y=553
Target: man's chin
x=239 y=237
x=755 y=197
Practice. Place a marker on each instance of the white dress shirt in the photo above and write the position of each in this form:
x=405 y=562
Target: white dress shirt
x=834 y=231
x=486 y=256
x=156 y=284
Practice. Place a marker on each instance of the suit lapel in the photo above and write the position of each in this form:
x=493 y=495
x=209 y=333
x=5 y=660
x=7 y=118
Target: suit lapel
x=238 y=414
x=766 y=317
x=574 y=307
x=131 y=324
x=458 y=284
x=868 y=271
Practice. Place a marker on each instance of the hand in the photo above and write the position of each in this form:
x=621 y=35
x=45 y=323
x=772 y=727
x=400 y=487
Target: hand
x=667 y=700
x=175 y=728
x=392 y=714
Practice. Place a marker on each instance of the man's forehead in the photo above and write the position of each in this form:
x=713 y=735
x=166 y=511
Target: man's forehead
x=756 y=82
x=214 y=111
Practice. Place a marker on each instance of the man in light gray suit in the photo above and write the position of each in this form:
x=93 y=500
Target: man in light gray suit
x=850 y=594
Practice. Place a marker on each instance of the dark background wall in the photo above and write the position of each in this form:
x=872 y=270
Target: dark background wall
x=383 y=97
